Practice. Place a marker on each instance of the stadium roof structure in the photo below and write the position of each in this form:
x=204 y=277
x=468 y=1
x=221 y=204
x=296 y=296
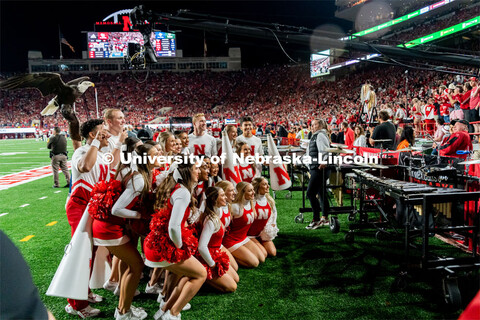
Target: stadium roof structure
x=467 y=30
x=294 y=35
x=410 y=18
x=355 y=10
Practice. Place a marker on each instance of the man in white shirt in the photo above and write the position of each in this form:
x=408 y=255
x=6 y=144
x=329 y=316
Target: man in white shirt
x=255 y=143
x=115 y=122
x=200 y=142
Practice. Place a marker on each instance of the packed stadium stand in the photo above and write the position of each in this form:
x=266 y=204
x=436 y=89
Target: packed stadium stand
x=275 y=94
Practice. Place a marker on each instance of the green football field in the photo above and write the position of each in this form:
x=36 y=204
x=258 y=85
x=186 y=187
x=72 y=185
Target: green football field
x=316 y=275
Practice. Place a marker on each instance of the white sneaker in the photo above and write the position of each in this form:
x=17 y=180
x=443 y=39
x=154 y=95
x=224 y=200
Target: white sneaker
x=137 y=312
x=110 y=285
x=87 y=312
x=324 y=222
x=117 y=292
x=155 y=289
x=126 y=316
x=160 y=297
x=158 y=315
x=162 y=303
x=94 y=298
x=187 y=307
x=314 y=225
x=168 y=316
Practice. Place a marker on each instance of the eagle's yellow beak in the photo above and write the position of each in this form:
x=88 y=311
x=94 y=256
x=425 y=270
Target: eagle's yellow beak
x=93 y=85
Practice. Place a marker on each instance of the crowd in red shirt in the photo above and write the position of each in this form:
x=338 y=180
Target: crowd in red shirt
x=273 y=94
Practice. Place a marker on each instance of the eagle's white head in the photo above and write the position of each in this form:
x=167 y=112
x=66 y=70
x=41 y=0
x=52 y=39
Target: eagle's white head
x=84 y=85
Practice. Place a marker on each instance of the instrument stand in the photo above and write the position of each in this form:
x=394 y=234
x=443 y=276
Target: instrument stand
x=300 y=218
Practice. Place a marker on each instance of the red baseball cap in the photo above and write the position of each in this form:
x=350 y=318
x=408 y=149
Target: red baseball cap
x=472 y=79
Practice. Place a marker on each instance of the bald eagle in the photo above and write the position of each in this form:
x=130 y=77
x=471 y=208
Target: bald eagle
x=51 y=83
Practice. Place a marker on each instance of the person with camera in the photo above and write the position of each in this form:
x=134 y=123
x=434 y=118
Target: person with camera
x=58 y=153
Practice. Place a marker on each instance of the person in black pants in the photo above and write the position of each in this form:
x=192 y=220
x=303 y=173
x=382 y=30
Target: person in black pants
x=319 y=173
x=58 y=153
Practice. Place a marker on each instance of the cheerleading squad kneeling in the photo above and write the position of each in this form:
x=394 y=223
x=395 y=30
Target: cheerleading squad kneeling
x=193 y=227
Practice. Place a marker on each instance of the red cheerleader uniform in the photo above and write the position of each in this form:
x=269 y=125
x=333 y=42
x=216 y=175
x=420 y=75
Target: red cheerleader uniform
x=247 y=172
x=263 y=214
x=216 y=261
x=417 y=113
x=226 y=216
x=161 y=249
x=82 y=185
x=142 y=226
x=242 y=220
x=109 y=229
x=200 y=191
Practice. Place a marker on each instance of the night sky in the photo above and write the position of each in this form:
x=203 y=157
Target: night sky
x=33 y=25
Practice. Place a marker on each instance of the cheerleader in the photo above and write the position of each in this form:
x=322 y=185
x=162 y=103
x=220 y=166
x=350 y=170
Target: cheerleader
x=232 y=134
x=247 y=171
x=109 y=231
x=88 y=168
x=236 y=241
x=417 y=114
x=183 y=136
x=199 y=191
x=156 y=145
x=167 y=141
x=231 y=131
x=265 y=225
x=123 y=169
x=219 y=273
x=171 y=243
x=226 y=216
x=171 y=280
x=214 y=177
x=178 y=146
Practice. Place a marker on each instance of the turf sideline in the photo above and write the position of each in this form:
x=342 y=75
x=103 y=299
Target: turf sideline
x=15 y=179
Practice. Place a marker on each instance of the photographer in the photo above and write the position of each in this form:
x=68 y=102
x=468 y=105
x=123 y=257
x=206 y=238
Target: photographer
x=58 y=153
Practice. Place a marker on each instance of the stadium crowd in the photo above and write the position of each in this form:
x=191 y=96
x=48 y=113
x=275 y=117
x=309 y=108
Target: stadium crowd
x=275 y=94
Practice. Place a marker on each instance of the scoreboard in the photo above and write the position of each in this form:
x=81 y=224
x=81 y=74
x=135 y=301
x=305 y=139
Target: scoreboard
x=164 y=44
x=114 y=44
x=320 y=64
